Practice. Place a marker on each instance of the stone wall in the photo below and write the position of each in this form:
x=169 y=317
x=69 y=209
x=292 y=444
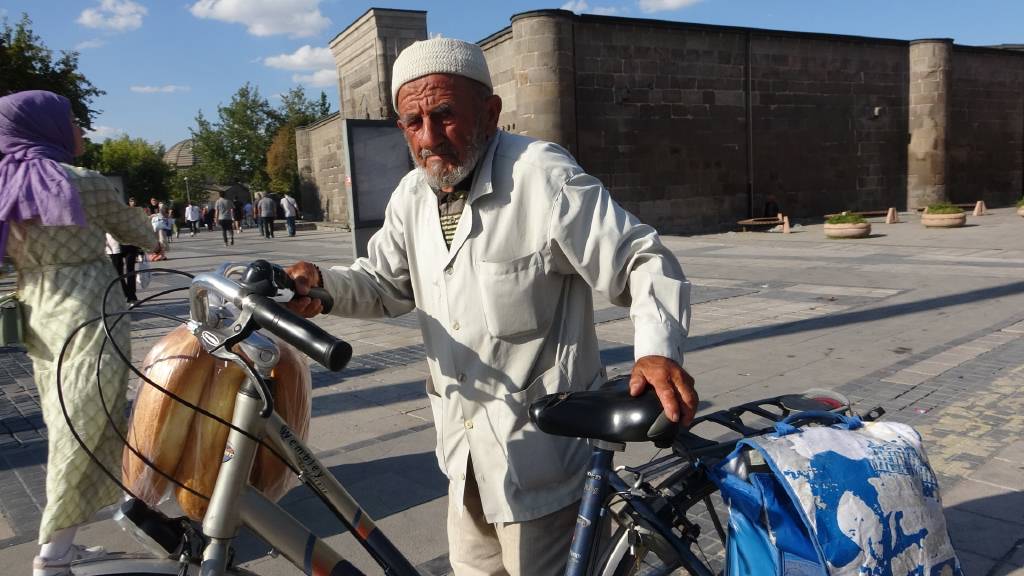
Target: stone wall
x=693 y=127
x=499 y=50
x=321 y=170
x=364 y=54
x=986 y=144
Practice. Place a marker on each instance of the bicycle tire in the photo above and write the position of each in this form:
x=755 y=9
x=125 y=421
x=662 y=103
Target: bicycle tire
x=139 y=565
x=622 y=558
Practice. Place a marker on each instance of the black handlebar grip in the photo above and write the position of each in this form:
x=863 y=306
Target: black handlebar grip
x=333 y=353
x=325 y=299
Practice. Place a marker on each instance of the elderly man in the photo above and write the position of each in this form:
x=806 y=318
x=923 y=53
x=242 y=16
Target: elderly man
x=496 y=241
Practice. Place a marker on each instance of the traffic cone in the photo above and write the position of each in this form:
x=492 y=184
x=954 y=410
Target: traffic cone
x=979 y=208
x=785 y=224
x=892 y=217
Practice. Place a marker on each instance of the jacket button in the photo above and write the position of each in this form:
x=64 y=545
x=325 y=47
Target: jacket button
x=469 y=424
x=449 y=271
x=455 y=325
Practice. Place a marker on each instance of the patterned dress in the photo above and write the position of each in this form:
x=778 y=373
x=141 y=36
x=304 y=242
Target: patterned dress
x=62 y=274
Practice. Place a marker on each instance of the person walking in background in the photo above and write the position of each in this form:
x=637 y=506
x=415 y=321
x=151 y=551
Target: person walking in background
x=291 y=210
x=124 y=263
x=192 y=216
x=153 y=207
x=267 y=213
x=157 y=221
x=225 y=217
x=247 y=212
x=237 y=205
x=208 y=216
x=53 y=217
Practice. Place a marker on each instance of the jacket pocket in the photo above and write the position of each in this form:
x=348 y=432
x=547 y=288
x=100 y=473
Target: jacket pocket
x=437 y=412
x=518 y=295
x=536 y=459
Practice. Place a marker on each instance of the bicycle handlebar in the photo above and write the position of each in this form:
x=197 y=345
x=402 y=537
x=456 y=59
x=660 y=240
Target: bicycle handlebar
x=331 y=352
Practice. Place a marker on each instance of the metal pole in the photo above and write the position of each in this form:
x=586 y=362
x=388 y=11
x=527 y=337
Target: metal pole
x=188 y=196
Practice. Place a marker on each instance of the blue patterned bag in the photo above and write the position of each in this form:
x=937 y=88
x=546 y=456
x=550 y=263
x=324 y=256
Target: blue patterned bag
x=849 y=499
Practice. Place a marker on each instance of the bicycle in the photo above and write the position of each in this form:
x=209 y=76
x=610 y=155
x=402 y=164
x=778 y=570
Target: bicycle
x=648 y=506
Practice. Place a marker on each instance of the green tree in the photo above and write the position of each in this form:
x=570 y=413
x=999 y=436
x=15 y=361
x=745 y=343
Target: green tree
x=140 y=164
x=27 y=64
x=282 y=162
x=234 y=148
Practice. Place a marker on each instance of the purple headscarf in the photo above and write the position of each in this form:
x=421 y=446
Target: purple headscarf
x=36 y=134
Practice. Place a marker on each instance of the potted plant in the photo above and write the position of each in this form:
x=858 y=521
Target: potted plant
x=1020 y=207
x=943 y=215
x=847 y=225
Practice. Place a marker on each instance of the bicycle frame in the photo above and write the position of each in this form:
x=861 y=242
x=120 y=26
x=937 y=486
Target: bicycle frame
x=234 y=503
x=601 y=477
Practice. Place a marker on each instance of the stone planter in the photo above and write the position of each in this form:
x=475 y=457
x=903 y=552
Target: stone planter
x=944 y=220
x=1020 y=211
x=853 y=230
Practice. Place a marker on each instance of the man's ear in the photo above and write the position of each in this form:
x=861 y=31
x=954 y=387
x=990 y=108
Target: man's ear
x=493 y=108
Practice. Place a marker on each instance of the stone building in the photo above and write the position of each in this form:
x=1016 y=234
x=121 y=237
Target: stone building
x=694 y=126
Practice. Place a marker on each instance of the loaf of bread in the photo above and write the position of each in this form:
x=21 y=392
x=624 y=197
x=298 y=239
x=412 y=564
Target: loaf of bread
x=191 y=446
x=201 y=457
x=292 y=401
x=159 y=423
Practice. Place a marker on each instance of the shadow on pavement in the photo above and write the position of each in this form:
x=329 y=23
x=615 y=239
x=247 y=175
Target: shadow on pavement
x=988 y=534
x=382 y=487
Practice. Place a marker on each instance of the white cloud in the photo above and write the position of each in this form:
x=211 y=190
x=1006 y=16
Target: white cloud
x=663 y=5
x=581 y=6
x=266 y=17
x=119 y=15
x=166 y=88
x=87 y=44
x=319 y=79
x=305 y=58
x=101 y=133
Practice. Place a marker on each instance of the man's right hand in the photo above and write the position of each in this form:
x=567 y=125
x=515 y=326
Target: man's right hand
x=305 y=275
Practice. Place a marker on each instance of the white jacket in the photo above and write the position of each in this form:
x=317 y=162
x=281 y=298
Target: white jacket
x=507 y=313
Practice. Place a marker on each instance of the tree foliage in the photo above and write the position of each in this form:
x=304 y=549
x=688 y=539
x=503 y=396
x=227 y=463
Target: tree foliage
x=251 y=142
x=140 y=164
x=234 y=148
x=27 y=64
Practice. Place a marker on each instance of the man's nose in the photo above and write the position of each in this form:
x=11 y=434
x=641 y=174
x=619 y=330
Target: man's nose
x=432 y=134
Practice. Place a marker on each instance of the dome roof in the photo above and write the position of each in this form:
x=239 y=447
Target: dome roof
x=180 y=155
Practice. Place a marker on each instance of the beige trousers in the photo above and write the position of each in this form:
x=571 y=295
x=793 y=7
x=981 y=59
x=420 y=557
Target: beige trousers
x=536 y=547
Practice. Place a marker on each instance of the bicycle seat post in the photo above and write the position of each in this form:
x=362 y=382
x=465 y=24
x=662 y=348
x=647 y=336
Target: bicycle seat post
x=588 y=521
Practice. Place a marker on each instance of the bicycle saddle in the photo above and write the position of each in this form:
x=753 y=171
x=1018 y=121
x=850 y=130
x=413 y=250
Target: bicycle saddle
x=609 y=414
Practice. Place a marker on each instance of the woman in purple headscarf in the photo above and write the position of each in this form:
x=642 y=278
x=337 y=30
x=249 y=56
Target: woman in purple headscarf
x=53 y=219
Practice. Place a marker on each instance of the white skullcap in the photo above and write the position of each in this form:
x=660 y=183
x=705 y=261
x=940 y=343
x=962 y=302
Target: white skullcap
x=439 y=56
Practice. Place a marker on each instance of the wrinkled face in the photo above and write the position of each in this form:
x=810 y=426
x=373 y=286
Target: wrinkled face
x=447 y=121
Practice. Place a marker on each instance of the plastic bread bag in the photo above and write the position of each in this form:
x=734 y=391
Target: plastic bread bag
x=195 y=443
x=160 y=424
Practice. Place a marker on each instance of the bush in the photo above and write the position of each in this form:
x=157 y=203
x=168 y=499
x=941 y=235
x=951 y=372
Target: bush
x=846 y=218
x=1020 y=203
x=944 y=208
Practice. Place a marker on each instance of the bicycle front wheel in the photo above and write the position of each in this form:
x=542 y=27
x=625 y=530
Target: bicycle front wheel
x=629 y=553
x=139 y=565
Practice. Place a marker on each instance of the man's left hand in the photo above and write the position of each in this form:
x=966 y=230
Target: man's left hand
x=673 y=385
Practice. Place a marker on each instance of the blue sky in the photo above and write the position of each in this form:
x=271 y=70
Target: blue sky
x=161 y=61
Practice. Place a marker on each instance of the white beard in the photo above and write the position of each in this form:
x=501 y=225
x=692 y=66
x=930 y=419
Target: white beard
x=441 y=178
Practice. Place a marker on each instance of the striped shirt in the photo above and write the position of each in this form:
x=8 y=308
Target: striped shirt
x=450 y=206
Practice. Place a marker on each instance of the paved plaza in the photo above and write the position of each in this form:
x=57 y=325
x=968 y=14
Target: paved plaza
x=928 y=324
